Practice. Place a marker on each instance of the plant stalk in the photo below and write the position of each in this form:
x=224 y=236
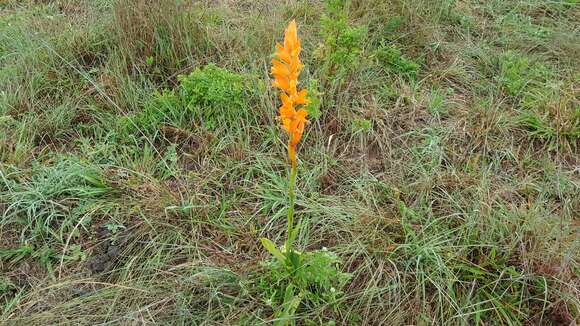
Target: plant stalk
x=291 y=198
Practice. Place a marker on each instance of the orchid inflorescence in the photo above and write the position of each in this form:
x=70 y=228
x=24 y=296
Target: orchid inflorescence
x=286 y=69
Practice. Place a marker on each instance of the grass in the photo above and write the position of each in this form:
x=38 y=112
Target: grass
x=140 y=162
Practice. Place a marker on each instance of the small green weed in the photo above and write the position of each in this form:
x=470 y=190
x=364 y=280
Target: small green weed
x=313 y=107
x=547 y=108
x=215 y=95
x=437 y=101
x=393 y=60
x=14 y=255
x=553 y=120
x=342 y=42
x=361 y=125
x=518 y=73
x=210 y=97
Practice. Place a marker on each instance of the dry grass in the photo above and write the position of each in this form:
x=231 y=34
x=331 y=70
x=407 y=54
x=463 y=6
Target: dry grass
x=444 y=169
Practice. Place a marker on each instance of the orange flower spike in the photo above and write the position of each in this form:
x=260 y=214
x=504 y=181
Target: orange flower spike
x=286 y=69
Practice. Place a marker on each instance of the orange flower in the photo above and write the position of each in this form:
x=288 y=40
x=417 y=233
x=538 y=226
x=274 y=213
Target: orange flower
x=285 y=70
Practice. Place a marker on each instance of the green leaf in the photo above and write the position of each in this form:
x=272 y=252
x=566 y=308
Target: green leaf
x=15 y=255
x=295 y=232
x=291 y=302
x=293 y=260
x=271 y=247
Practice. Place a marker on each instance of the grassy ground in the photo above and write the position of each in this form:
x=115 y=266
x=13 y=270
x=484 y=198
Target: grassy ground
x=140 y=161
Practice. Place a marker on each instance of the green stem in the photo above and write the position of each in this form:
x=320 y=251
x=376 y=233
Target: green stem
x=291 y=199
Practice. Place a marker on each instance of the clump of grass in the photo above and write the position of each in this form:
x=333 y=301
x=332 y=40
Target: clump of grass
x=216 y=95
x=546 y=108
x=158 y=38
x=53 y=199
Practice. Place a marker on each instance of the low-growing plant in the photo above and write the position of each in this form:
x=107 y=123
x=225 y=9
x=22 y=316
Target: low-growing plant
x=436 y=104
x=361 y=125
x=215 y=95
x=210 y=97
x=558 y=118
x=313 y=97
x=518 y=73
x=342 y=42
x=523 y=24
x=391 y=58
x=318 y=281
x=546 y=108
x=295 y=276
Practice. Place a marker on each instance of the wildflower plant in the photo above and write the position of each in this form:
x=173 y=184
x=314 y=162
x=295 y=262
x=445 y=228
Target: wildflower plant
x=295 y=276
x=286 y=69
x=340 y=51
